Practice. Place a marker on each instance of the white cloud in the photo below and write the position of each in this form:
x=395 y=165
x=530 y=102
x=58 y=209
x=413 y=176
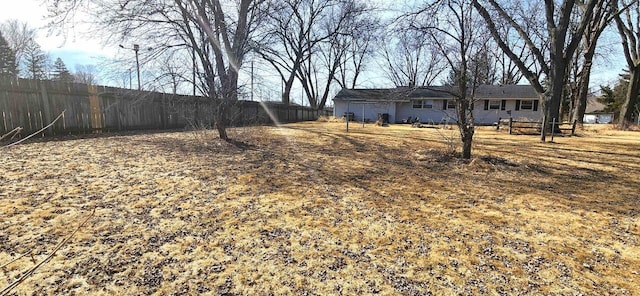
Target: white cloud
x=31 y=11
x=74 y=49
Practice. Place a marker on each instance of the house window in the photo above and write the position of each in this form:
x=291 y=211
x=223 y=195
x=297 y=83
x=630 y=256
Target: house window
x=451 y=104
x=526 y=105
x=494 y=105
x=426 y=104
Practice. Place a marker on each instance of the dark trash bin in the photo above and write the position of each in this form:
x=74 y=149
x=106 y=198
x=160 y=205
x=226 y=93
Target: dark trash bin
x=349 y=116
x=383 y=118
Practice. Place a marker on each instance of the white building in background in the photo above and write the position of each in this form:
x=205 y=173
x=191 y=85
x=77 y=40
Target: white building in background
x=436 y=105
x=594 y=112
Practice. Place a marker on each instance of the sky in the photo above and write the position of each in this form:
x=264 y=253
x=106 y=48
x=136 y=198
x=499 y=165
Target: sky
x=76 y=48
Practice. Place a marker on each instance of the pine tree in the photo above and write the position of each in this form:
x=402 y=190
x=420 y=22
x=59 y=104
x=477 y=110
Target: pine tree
x=7 y=59
x=613 y=97
x=35 y=61
x=60 y=71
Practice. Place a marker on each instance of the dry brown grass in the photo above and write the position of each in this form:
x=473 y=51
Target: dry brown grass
x=330 y=119
x=310 y=209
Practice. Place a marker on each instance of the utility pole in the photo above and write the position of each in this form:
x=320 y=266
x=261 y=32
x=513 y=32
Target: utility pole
x=193 y=60
x=136 y=47
x=252 y=80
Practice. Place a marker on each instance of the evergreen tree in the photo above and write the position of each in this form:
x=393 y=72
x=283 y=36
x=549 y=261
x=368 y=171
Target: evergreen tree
x=18 y=35
x=7 y=59
x=35 y=61
x=60 y=71
x=613 y=97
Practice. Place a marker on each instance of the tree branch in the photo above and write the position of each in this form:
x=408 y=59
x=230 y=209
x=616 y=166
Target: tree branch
x=29 y=272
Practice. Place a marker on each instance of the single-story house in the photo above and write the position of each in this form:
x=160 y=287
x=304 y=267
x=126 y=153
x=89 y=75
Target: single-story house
x=594 y=112
x=436 y=105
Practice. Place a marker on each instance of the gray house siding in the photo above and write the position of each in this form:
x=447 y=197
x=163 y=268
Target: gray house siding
x=430 y=104
x=490 y=116
x=371 y=110
x=435 y=114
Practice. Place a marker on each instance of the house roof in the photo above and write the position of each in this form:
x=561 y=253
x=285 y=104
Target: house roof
x=372 y=94
x=406 y=93
x=593 y=106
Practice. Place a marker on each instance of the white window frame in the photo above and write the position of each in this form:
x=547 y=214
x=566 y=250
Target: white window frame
x=427 y=104
x=417 y=104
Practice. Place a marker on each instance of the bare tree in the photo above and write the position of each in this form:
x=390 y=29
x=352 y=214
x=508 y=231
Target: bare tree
x=411 y=60
x=603 y=16
x=562 y=41
x=36 y=62
x=172 y=71
x=506 y=71
x=86 y=74
x=215 y=32
x=319 y=71
x=359 y=46
x=290 y=35
x=306 y=40
x=629 y=28
x=457 y=33
x=533 y=23
x=19 y=35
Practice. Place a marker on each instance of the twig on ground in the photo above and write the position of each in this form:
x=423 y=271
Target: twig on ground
x=16 y=259
x=29 y=272
x=41 y=130
x=15 y=132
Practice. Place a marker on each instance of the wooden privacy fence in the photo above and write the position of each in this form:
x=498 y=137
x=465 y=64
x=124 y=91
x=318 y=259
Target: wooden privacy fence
x=30 y=105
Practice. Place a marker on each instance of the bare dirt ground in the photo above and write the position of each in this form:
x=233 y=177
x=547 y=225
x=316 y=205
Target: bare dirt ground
x=308 y=209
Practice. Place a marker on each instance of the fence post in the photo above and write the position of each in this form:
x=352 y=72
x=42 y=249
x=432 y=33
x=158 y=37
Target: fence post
x=163 y=114
x=510 y=125
x=573 y=128
x=553 y=129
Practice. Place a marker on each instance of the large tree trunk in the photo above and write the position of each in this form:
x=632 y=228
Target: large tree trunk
x=220 y=122
x=219 y=112
x=288 y=84
x=467 y=140
x=325 y=95
x=580 y=101
x=286 y=93
x=465 y=123
x=553 y=96
x=626 y=109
